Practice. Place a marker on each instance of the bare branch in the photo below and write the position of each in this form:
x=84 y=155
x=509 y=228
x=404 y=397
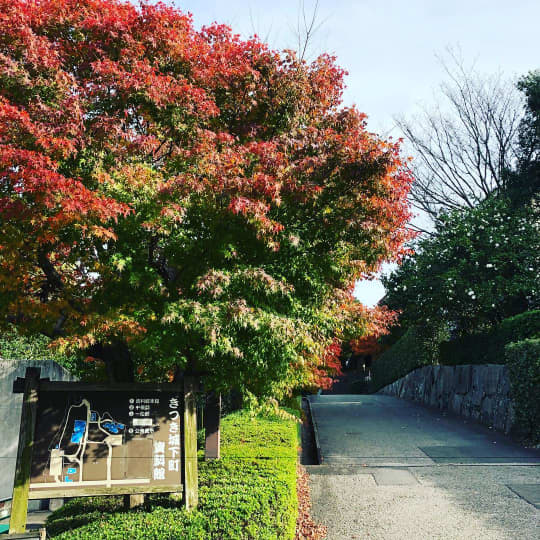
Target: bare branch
x=307 y=25
x=465 y=145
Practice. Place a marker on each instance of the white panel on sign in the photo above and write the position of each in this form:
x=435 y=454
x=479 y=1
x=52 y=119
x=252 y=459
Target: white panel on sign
x=114 y=440
x=56 y=462
x=142 y=421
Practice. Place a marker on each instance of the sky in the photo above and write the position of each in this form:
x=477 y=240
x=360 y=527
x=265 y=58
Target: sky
x=391 y=48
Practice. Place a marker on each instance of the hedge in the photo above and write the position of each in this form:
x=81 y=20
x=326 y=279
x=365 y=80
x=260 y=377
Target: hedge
x=488 y=347
x=409 y=352
x=413 y=350
x=523 y=361
x=17 y=346
x=249 y=494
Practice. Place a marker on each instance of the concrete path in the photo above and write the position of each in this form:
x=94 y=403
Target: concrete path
x=392 y=469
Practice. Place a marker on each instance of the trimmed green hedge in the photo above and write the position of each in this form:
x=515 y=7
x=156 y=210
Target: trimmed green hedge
x=413 y=350
x=523 y=361
x=409 y=352
x=249 y=494
x=488 y=347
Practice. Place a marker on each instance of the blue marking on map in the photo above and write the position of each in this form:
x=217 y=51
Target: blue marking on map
x=71 y=470
x=113 y=427
x=78 y=431
x=93 y=417
x=68 y=479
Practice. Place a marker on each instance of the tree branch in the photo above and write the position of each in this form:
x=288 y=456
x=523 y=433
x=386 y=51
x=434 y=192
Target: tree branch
x=53 y=280
x=157 y=260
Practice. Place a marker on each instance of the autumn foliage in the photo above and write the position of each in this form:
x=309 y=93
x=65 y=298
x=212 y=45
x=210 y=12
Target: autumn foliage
x=173 y=197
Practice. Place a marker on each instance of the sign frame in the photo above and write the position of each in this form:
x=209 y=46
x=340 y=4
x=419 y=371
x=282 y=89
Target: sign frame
x=31 y=386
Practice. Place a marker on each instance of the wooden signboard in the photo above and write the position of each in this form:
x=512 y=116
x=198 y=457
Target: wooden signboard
x=80 y=439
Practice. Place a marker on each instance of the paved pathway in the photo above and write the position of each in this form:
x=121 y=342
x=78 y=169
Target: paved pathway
x=395 y=470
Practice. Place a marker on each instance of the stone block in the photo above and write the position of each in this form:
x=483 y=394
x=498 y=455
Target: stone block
x=402 y=391
x=427 y=394
x=433 y=398
x=408 y=392
x=429 y=384
x=504 y=383
x=479 y=376
x=476 y=398
x=462 y=379
x=487 y=410
x=55 y=504
x=501 y=413
x=466 y=407
x=417 y=388
x=447 y=376
x=438 y=385
x=492 y=376
x=478 y=392
x=456 y=403
x=510 y=418
x=427 y=373
x=401 y=388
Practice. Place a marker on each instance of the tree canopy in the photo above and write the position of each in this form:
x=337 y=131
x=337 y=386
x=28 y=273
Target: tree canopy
x=178 y=199
x=524 y=180
x=479 y=267
x=480 y=264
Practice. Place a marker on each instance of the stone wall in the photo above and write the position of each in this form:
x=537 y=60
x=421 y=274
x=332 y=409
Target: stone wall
x=478 y=392
x=10 y=410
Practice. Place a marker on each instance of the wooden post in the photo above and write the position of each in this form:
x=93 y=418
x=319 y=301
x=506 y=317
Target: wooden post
x=212 y=417
x=190 y=444
x=133 y=501
x=21 y=484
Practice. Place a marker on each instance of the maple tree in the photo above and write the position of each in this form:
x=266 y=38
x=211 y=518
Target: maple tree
x=178 y=199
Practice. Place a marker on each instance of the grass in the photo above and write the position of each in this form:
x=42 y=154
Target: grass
x=249 y=494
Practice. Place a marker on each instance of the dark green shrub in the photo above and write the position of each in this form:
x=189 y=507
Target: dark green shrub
x=249 y=494
x=414 y=350
x=410 y=351
x=14 y=346
x=523 y=360
x=520 y=326
x=17 y=346
x=488 y=347
x=473 y=349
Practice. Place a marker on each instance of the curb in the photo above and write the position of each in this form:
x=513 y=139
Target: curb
x=315 y=432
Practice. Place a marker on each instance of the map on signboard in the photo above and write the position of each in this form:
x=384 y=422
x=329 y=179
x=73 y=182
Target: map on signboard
x=106 y=439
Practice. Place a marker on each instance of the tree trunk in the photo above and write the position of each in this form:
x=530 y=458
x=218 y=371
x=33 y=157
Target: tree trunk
x=118 y=360
x=212 y=418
